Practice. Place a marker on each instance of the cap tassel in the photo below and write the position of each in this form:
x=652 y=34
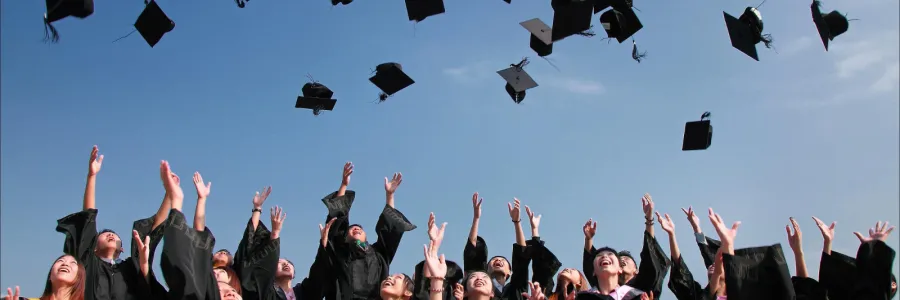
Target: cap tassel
x=50 y=33
x=241 y=3
x=587 y=33
x=382 y=97
x=551 y=63
x=318 y=110
x=705 y=115
x=635 y=54
x=767 y=40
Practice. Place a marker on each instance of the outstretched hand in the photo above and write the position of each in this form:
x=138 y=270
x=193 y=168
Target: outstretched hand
x=436 y=266
x=534 y=220
x=536 y=292
x=277 y=215
x=10 y=295
x=590 y=229
x=260 y=198
x=647 y=205
x=476 y=205
x=725 y=234
x=514 y=210
x=827 y=231
x=96 y=162
x=171 y=181
x=323 y=232
x=348 y=169
x=666 y=223
x=795 y=237
x=143 y=246
x=880 y=232
x=390 y=186
x=202 y=189
x=695 y=221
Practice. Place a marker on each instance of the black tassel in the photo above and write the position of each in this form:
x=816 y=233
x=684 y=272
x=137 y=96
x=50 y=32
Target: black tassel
x=767 y=40
x=587 y=33
x=241 y=3
x=521 y=65
x=317 y=110
x=635 y=54
x=50 y=33
x=552 y=64
x=382 y=97
x=705 y=115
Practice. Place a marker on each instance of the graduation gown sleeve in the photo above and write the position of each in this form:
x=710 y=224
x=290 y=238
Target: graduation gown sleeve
x=587 y=265
x=758 y=273
x=252 y=239
x=260 y=267
x=475 y=256
x=138 y=286
x=391 y=226
x=708 y=248
x=339 y=207
x=653 y=268
x=808 y=289
x=320 y=280
x=874 y=261
x=837 y=273
x=81 y=234
x=518 y=281
x=544 y=264
x=187 y=260
x=682 y=283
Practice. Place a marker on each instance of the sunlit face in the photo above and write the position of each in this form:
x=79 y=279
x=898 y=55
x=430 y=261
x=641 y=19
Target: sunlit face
x=221 y=258
x=498 y=266
x=107 y=240
x=285 y=269
x=607 y=262
x=64 y=271
x=357 y=233
x=568 y=275
x=226 y=292
x=628 y=265
x=479 y=284
x=395 y=286
x=221 y=275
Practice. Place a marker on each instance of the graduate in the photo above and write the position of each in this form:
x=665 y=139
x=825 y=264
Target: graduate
x=65 y=281
x=681 y=280
x=544 y=264
x=261 y=266
x=422 y=281
x=837 y=271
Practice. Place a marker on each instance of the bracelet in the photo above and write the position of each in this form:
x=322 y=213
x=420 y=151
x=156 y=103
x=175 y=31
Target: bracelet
x=649 y=221
x=256 y=210
x=516 y=221
x=440 y=290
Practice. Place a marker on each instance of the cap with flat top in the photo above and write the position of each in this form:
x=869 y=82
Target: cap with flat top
x=571 y=17
x=697 y=134
x=600 y=5
x=620 y=23
x=59 y=9
x=829 y=25
x=517 y=80
x=153 y=23
x=390 y=79
x=745 y=32
x=344 y=2
x=316 y=96
x=418 y=10
x=541 y=36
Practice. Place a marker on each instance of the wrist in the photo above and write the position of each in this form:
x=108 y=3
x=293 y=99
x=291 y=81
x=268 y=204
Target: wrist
x=516 y=221
x=257 y=209
x=201 y=198
x=91 y=175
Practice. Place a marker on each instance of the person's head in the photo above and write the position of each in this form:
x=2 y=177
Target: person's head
x=397 y=286
x=356 y=233
x=222 y=258
x=606 y=262
x=710 y=270
x=65 y=274
x=108 y=243
x=893 y=286
x=629 y=267
x=285 y=270
x=227 y=292
x=477 y=284
x=499 y=266
x=227 y=275
x=570 y=278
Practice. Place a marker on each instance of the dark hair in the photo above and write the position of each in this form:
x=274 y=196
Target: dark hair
x=119 y=249
x=77 y=292
x=233 y=280
x=228 y=263
x=410 y=285
x=606 y=249
x=292 y=266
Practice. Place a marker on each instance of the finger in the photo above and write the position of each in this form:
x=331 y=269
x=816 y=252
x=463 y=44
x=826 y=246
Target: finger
x=832 y=225
x=685 y=211
x=859 y=236
x=888 y=231
x=443 y=226
x=735 y=225
x=528 y=211
x=795 y=225
x=100 y=160
x=385 y=181
x=146 y=241
x=509 y=206
x=818 y=222
x=525 y=295
x=137 y=237
x=788 y=230
x=17 y=292
x=668 y=218
x=884 y=227
x=425 y=247
x=877 y=226
x=658 y=216
x=321 y=228
x=871 y=231
x=208 y=185
x=479 y=201
x=594 y=226
x=443 y=259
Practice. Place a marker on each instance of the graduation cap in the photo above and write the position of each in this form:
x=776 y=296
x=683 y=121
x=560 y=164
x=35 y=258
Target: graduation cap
x=600 y=5
x=418 y=10
x=829 y=25
x=746 y=32
x=508 y=1
x=541 y=40
x=697 y=134
x=241 y=3
x=344 y=2
x=517 y=80
x=390 y=79
x=571 y=17
x=60 y=9
x=153 y=23
x=635 y=54
x=620 y=23
x=316 y=96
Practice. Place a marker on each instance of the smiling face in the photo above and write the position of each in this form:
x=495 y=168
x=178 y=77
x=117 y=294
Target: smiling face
x=226 y=292
x=356 y=233
x=221 y=275
x=607 y=263
x=479 y=284
x=568 y=275
x=396 y=286
x=285 y=269
x=628 y=265
x=107 y=241
x=64 y=271
x=499 y=266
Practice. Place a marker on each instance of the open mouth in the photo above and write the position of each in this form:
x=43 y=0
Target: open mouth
x=498 y=264
x=387 y=283
x=479 y=282
x=64 y=270
x=605 y=262
x=285 y=268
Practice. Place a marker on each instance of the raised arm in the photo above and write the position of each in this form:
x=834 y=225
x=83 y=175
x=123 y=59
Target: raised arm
x=202 y=193
x=258 y=201
x=90 y=187
x=587 y=259
x=795 y=241
x=544 y=264
x=681 y=281
x=261 y=263
x=648 y=206
x=516 y=215
x=476 y=216
x=874 y=262
x=654 y=261
x=837 y=272
x=345 y=180
x=392 y=223
x=707 y=251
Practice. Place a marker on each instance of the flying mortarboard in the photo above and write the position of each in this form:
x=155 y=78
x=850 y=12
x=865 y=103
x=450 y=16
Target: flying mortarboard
x=153 y=23
x=517 y=80
x=344 y=2
x=829 y=25
x=697 y=134
x=390 y=79
x=59 y=9
x=600 y=5
x=418 y=10
x=541 y=36
x=571 y=17
x=746 y=32
x=241 y=3
x=316 y=96
x=620 y=23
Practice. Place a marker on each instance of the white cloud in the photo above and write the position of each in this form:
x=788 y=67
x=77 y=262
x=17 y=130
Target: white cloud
x=471 y=73
x=888 y=81
x=866 y=55
x=797 y=46
x=578 y=86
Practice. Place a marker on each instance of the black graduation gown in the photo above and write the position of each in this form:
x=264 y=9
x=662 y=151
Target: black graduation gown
x=757 y=273
x=475 y=258
x=651 y=272
x=422 y=285
x=544 y=264
x=259 y=255
x=360 y=270
x=837 y=273
x=103 y=280
x=683 y=285
x=808 y=289
x=874 y=261
x=314 y=286
x=187 y=260
x=339 y=209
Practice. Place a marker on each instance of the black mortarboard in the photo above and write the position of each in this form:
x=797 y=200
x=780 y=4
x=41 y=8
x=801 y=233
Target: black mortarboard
x=830 y=25
x=620 y=23
x=697 y=134
x=418 y=10
x=344 y=2
x=746 y=32
x=241 y=3
x=600 y=5
x=59 y=9
x=508 y=1
x=541 y=36
x=153 y=23
x=571 y=17
x=517 y=80
x=389 y=78
x=316 y=96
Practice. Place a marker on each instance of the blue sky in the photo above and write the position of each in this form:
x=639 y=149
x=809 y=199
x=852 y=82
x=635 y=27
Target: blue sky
x=802 y=132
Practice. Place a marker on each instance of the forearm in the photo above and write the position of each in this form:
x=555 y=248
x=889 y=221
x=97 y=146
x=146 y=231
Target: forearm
x=200 y=214
x=254 y=217
x=473 y=232
x=534 y=231
x=826 y=248
x=389 y=199
x=520 y=234
x=437 y=289
x=588 y=243
x=145 y=271
x=90 y=193
x=648 y=225
x=342 y=190
x=800 y=264
x=673 y=247
x=163 y=212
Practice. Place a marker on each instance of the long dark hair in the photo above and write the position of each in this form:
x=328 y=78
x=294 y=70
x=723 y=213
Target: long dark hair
x=77 y=292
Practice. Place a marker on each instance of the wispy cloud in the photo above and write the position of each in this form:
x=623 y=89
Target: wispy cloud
x=577 y=86
x=471 y=73
x=888 y=81
x=866 y=55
